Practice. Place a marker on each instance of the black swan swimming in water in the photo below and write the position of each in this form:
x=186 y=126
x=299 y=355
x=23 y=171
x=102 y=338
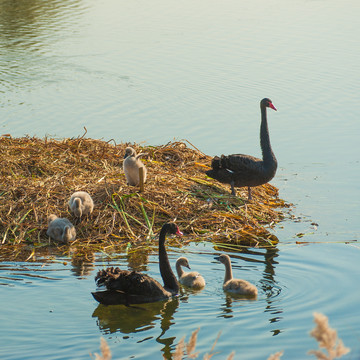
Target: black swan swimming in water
x=244 y=170
x=131 y=287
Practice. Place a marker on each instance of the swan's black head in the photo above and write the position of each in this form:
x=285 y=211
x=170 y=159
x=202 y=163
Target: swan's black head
x=129 y=151
x=171 y=228
x=267 y=103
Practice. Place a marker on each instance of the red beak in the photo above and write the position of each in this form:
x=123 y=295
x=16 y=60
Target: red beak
x=179 y=233
x=272 y=106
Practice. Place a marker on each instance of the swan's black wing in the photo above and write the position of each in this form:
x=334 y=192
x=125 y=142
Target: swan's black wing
x=134 y=284
x=242 y=170
x=241 y=163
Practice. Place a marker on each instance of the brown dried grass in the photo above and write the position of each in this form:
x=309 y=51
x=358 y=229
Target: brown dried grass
x=38 y=177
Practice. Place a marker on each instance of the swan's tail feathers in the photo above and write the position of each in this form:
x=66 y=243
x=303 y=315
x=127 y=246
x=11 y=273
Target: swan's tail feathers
x=216 y=163
x=221 y=162
x=106 y=275
x=215 y=167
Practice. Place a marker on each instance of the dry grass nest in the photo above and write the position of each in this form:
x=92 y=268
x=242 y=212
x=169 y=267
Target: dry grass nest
x=38 y=177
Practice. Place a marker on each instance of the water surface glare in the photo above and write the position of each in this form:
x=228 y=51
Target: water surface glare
x=293 y=282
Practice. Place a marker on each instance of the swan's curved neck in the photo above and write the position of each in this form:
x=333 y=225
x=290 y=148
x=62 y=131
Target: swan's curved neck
x=170 y=282
x=228 y=272
x=267 y=153
x=179 y=269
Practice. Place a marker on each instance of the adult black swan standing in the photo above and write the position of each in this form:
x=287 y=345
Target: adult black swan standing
x=131 y=287
x=240 y=170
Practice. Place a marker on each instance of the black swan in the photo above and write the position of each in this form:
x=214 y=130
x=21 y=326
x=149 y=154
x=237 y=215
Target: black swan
x=244 y=170
x=60 y=229
x=131 y=166
x=131 y=287
x=191 y=279
x=81 y=203
x=235 y=286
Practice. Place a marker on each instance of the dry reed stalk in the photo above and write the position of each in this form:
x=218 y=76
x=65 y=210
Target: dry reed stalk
x=180 y=353
x=276 y=356
x=190 y=346
x=105 y=351
x=38 y=176
x=179 y=350
x=327 y=339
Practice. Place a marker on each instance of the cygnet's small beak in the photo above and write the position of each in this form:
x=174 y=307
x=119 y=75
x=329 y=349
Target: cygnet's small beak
x=217 y=258
x=188 y=266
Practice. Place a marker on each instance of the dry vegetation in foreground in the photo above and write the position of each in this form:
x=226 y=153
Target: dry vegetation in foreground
x=325 y=336
x=38 y=177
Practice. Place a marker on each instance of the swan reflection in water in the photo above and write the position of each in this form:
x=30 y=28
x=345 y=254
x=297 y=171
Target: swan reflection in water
x=138 y=318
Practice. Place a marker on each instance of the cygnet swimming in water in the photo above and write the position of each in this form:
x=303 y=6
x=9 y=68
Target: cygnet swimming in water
x=81 y=203
x=131 y=166
x=60 y=229
x=191 y=279
x=235 y=286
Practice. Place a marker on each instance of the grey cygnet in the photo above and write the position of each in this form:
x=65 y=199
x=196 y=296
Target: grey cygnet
x=131 y=166
x=60 y=229
x=81 y=203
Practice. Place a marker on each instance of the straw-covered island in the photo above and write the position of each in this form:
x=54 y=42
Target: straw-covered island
x=38 y=177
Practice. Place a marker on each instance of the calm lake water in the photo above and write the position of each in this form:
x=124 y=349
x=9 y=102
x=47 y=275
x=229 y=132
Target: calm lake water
x=152 y=72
